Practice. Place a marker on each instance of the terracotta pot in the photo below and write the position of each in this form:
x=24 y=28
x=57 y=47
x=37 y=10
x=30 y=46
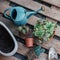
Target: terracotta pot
x=29 y=42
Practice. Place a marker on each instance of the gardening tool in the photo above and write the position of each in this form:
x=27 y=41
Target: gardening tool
x=19 y=15
x=52 y=54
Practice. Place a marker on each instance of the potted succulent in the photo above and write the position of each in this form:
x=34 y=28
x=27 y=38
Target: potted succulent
x=29 y=39
x=38 y=50
x=28 y=35
x=23 y=29
x=44 y=30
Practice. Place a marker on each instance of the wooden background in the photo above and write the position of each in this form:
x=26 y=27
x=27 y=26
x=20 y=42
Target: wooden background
x=51 y=13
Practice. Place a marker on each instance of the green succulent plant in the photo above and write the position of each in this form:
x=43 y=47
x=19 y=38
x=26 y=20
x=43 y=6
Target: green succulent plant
x=38 y=50
x=44 y=30
x=23 y=29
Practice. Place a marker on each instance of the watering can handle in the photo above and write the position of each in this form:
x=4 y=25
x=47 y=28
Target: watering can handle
x=7 y=16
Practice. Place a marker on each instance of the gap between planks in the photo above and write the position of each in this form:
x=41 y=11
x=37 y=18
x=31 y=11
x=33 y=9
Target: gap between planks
x=52 y=13
x=53 y=2
x=43 y=56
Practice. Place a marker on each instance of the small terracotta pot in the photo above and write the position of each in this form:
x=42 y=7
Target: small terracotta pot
x=29 y=42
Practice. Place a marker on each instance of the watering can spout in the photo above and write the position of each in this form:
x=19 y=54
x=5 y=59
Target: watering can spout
x=29 y=14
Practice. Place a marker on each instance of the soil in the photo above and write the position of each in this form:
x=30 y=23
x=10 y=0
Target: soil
x=6 y=42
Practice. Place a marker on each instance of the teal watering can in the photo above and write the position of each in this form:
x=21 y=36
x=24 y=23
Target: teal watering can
x=18 y=15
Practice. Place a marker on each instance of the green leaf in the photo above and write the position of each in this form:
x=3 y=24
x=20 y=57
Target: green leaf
x=44 y=30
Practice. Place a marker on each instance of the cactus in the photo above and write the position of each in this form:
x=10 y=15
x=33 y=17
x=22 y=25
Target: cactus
x=38 y=50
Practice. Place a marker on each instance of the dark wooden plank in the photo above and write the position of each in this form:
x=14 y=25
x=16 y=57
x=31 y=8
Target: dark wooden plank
x=52 y=13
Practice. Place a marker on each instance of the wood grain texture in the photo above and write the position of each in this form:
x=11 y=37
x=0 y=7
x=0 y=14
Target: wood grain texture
x=22 y=49
x=53 y=2
x=55 y=43
x=31 y=21
x=57 y=33
x=13 y=28
x=58 y=9
x=52 y=13
x=34 y=19
x=31 y=56
x=3 y=6
x=52 y=43
x=8 y=58
x=43 y=56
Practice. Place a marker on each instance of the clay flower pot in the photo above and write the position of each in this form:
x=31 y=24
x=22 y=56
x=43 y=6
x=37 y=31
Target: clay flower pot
x=8 y=43
x=29 y=42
